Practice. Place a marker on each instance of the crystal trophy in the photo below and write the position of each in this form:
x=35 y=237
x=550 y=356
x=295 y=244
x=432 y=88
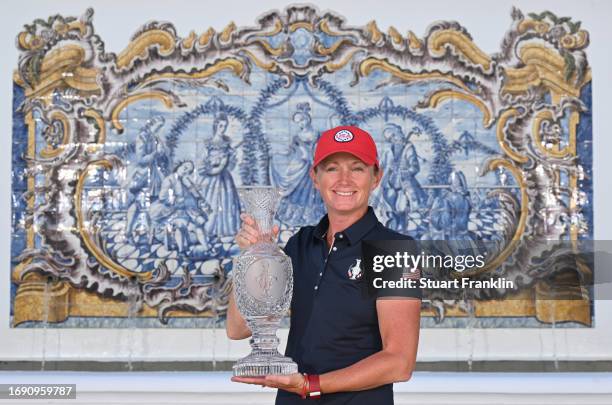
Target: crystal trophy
x=263 y=285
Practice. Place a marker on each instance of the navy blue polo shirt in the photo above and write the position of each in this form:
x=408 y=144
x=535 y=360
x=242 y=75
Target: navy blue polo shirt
x=334 y=323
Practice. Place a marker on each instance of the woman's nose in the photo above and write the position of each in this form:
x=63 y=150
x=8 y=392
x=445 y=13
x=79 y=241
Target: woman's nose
x=345 y=175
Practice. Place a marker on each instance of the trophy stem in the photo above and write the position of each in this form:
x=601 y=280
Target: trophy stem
x=264 y=358
x=264 y=337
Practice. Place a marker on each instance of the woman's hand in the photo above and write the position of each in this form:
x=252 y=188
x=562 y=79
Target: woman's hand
x=292 y=383
x=249 y=233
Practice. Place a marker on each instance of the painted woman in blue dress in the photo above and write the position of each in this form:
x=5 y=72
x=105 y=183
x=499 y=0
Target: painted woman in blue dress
x=301 y=203
x=216 y=184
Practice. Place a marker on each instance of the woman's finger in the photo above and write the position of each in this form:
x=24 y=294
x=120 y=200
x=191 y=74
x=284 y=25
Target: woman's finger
x=250 y=380
x=251 y=234
x=248 y=238
x=247 y=219
x=250 y=230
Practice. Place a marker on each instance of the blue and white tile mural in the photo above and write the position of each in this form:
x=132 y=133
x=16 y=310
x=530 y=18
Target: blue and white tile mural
x=126 y=166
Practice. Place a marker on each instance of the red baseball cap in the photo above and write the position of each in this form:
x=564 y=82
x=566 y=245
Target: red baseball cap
x=348 y=139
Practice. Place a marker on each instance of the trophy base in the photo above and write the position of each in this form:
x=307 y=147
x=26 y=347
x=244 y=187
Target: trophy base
x=261 y=367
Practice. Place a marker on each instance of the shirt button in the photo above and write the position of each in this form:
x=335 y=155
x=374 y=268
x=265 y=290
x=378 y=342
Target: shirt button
x=334 y=248
x=316 y=287
x=340 y=236
x=320 y=274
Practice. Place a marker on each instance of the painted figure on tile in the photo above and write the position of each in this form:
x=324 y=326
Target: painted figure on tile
x=175 y=209
x=146 y=179
x=301 y=203
x=450 y=212
x=215 y=182
x=402 y=192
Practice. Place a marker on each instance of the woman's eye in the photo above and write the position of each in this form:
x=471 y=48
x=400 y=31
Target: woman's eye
x=358 y=168
x=330 y=169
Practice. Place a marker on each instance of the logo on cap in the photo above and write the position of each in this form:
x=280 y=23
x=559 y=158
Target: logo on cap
x=344 y=135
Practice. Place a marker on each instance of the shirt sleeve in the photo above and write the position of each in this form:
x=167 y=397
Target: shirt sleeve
x=291 y=247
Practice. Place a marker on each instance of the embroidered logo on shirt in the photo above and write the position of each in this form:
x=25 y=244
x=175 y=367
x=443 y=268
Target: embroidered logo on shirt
x=354 y=272
x=344 y=135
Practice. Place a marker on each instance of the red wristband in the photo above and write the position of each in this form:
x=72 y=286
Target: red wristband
x=305 y=387
x=314 y=386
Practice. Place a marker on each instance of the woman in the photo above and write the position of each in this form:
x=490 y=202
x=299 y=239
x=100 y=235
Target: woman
x=216 y=184
x=351 y=346
x=301 y=203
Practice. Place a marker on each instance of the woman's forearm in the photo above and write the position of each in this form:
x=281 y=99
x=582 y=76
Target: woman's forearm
x=378 y=369
x=235 y=325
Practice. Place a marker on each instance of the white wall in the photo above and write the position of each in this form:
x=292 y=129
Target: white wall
x=487 y=21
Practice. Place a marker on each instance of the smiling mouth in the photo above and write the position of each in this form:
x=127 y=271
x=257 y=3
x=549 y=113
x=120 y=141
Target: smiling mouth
x=345 y=193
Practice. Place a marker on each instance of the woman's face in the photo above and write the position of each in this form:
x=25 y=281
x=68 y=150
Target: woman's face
x=392 y=135
x=345 y=183
x=221 y=127
x=301 y=120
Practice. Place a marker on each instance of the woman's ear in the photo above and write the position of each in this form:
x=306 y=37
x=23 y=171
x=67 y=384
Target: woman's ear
x=378 y=174
x=313 y=177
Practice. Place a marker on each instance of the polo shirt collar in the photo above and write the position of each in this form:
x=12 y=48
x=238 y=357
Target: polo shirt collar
x=353 y=233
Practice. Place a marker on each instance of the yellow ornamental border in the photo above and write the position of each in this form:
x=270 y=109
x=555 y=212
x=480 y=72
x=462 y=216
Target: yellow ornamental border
x=259 y=63
x=375 y=34
x=333 y=66
x=272 y=51
x=542 y=66
x=28 y=41
x=321 y=50
x=443 y=95
x=227 y=32
x=324 y=26
x=139 y=47
x=396 y=37
x=206 y=37
x=301 y=24
x=190 y=40
x=278 y=27
x=414 y=42
x=160 y=95
x=463 y=44
x=63 y=67
x=234 y=65
x=370 y=64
